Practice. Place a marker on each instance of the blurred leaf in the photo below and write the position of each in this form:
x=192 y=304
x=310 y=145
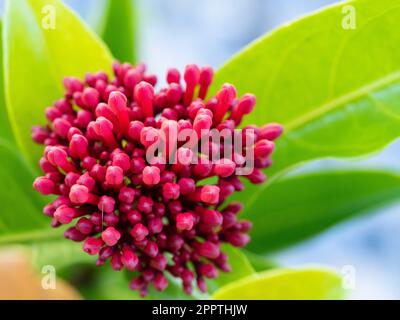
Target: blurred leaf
x=5 y=128
x=108 y=284
x=240 y=265
x=332 y=88
x=60 y=253
x=20 y=216
x=302 y=206
x=116 y=26
x=289 y=284
x=258 y=262
x=38 y=57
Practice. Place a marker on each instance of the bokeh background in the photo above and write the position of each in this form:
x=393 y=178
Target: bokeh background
x=178 y=32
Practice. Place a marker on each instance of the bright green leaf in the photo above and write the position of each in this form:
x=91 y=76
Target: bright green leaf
x=116 y=26
x=290 y=284
x=296 y=208
x=5 y=128
x=38 y=57
x=335 y=90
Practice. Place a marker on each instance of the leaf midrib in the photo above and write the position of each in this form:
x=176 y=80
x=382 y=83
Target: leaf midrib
x=342 y=100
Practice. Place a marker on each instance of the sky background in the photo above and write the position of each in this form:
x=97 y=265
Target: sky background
x=178 y=32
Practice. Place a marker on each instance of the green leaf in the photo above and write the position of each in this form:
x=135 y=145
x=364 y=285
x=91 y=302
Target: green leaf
x=24 y=221
x=37 y=57
x=258 y=262
x=20 y=218
x=332 y=88
x=5 y=128
x=116 y=26
x=61 y=254
x=289 y=284
x=298 y=207
x=108 y=284
x=240 y=265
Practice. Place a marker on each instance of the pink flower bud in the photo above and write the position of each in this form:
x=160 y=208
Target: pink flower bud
x=173 y=76
x=92 y=245
x=224 y=168
x=144 y=94
x=145 y=204
x=159 y=262
x=135 y=127
x=206 y=77
x=151 y=175
x=134 y=217
x=61 y=127
x=79 y=194
x=151 y=249
x=256 y=177
x=139 y=232
x=129 y=259
x=118 y=104
x=74 y=234
x=263 y=148
x=271 y=131
x=44 y=185
x=208 y=270
x=148 y=136
x=110 y=236
x=155 y=225
x=225 y=98
x=116 y=262
x=207 y=249
x=114 y=176
x=87 y=181
x=78 y=146
x=171 y=191
x=106 y=204
x=64 y=214
x=126 y=195
x=91 y=98
x=211 y=218
x=192 y=78
x=210 y=194
x=138 y=165
x=186 y=186
x=237 y=239
x=160 y=282
x=84 y=225
x=184 y=221
x=122 y=160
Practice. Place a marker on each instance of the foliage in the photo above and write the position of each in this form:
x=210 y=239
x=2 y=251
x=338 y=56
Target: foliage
x=336 y=91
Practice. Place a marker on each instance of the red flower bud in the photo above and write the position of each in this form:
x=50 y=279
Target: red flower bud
x=92 y=246
x=110 y=236
x=184 y=221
